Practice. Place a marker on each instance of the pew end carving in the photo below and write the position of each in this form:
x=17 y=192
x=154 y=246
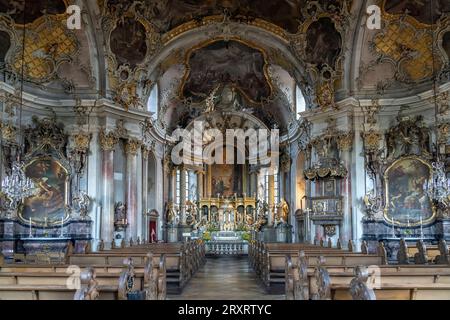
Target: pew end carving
x=359 y=289
x=88 y=286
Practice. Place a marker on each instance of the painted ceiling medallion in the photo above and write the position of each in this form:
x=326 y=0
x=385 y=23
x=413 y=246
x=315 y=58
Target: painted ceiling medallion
x=34 y=9
x=222 y=63
x=128 y=42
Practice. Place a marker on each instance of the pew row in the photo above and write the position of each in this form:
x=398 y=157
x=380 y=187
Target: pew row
x=147 y=283
x=323 y=282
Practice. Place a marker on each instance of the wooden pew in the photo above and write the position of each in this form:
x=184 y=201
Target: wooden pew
x=182 y=260
x=269 y=261
x=46 y=285
x=422 y=253
x=324 y=282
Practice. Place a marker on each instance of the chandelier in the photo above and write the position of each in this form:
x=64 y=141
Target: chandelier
x=17 y=186
x=438 y=190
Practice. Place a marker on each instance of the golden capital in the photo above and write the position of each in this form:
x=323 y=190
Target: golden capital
x=345 y=141
x=81 y=141
x=108 y=141
x=145 y=153
x=9 y=132
x=372 y=140
x=132 y=146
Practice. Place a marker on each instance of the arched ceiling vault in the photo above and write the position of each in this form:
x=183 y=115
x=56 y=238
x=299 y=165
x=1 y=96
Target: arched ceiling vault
x=125 y=47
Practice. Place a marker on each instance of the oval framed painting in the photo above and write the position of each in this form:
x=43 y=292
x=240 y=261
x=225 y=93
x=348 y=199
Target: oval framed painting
x=406 y=202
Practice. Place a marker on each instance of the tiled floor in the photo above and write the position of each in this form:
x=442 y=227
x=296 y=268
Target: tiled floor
x=225 y=278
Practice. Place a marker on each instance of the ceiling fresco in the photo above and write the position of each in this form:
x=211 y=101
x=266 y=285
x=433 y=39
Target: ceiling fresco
x=424 y=11
x=224 y=63
x=34 y=9
x=324 y=43
x=169 y=14
x=128 y=42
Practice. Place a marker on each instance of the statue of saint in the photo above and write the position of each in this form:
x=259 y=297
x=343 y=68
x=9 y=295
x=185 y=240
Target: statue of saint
x=283 y=211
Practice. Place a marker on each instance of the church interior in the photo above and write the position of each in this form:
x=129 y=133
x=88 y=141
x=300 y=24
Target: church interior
x=164 y=149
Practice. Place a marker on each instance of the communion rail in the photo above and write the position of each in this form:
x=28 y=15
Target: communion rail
x=232 y=248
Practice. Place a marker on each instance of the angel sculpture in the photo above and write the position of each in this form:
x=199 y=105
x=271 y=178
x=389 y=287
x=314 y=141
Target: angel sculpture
x=211 y=100
x=82 y=202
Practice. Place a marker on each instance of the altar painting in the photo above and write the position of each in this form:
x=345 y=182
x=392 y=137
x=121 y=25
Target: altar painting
x=222 y=180
x=47 y=206
x=407 y=203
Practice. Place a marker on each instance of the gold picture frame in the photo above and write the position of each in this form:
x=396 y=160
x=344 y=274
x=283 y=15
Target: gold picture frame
x=48 y=207
x=405 y=181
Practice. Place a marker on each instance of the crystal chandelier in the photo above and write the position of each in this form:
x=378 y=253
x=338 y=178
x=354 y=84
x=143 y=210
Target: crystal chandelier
x=438 y=190
x=18 y=186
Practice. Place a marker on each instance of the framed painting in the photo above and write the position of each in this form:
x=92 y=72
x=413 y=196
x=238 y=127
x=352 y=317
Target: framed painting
x=407 y=203
x=222 y=180
x=48 y=206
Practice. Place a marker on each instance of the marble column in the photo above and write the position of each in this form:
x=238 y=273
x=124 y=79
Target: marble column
x=145 y=208
x=346 y=233
x=253 y=181
x=159 y=201
x=271 y=200
x=200 y=178
x=183 y=183
x=107 y=145
x=209 y=183
x=131 y=149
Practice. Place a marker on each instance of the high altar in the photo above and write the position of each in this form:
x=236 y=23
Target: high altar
x=229 y=214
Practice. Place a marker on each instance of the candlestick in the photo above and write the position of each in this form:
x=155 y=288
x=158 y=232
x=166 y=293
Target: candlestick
x=62 y=227
x=30 y=233
x=421 y=228
x=393 y=228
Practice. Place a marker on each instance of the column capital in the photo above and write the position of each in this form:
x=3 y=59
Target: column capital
x=81 y=141
x=108 y=141
x=145 y=152
x=132 y=146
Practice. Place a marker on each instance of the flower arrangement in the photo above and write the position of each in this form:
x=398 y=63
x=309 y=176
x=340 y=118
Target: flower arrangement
x=206 y=236
x=246 y=236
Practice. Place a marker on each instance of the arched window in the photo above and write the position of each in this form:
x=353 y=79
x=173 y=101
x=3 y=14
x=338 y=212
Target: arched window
x=299 y=101
x=178 y=184
x=153 y=101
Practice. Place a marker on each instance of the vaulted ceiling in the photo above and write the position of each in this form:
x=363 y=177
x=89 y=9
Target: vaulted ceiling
x=262 y=49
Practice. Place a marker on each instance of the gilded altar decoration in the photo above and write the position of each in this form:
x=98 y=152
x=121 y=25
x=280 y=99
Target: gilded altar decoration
x=373 y=205
x=120 y=216
x=407 y=202
x=48 y=206
x=81 y=204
